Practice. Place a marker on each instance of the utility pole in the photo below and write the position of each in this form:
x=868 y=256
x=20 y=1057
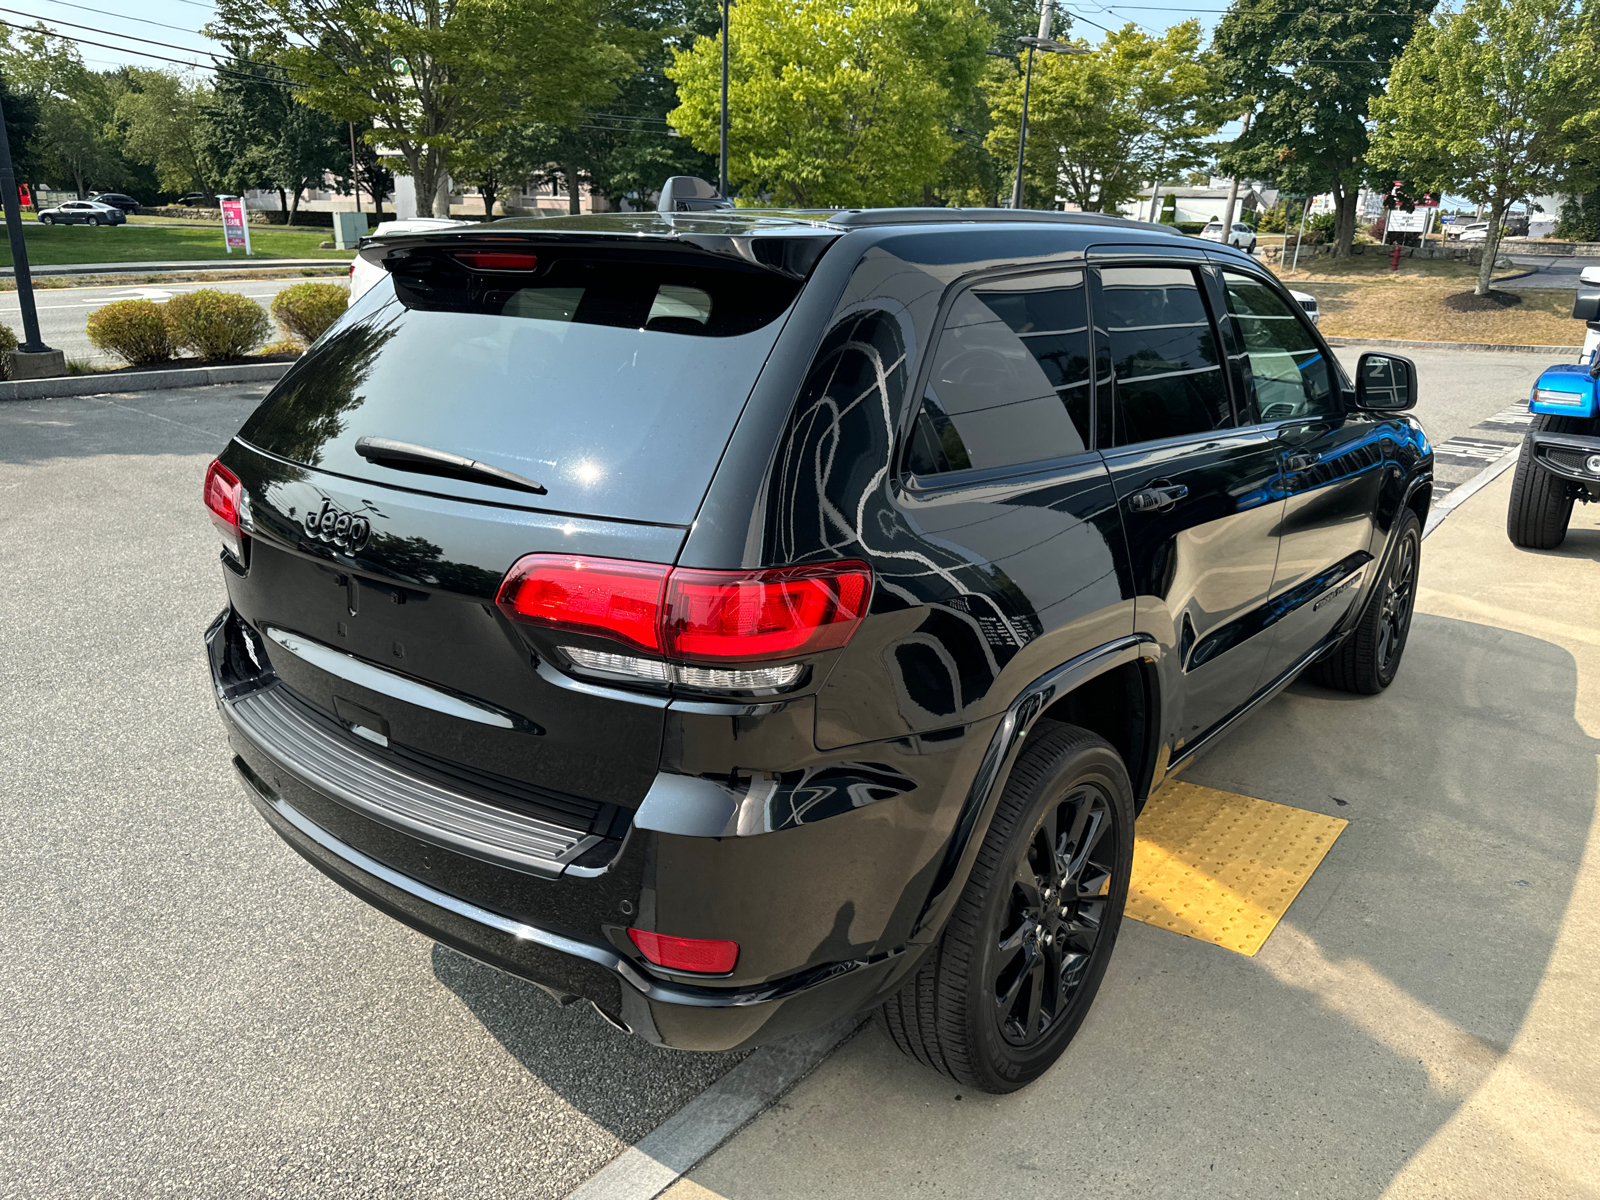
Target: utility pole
x=33 y=359
x=722 y=161
x=355 y=183
x=1233 y=196
x=1041 y=41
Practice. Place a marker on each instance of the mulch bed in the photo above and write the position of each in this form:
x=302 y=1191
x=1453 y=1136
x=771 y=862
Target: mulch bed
x=1493 y=301
x=176 y=363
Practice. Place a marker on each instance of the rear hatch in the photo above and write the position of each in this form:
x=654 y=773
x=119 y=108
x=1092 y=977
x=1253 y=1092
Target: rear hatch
x=557 y=396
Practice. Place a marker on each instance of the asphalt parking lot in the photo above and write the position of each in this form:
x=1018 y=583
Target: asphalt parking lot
x=190 y=1010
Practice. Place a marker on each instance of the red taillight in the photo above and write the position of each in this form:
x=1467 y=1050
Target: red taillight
x=352 y=271
x=727 y=616
x=497 y=260
x=222 y=496
x=605 y=596
x=730 y=615
x=686 y=954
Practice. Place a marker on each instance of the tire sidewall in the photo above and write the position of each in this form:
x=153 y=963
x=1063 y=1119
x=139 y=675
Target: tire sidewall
x=1005 y=1067
x=1412 y=531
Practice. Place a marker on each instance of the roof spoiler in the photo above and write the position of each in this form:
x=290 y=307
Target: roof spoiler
x=689 y=193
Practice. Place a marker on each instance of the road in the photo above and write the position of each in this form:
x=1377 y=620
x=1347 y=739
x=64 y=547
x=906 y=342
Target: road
x=1552 y=270
x=191 y=1010
x=64 y=312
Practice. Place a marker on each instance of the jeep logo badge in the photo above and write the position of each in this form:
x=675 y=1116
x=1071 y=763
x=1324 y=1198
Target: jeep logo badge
x=338 y=528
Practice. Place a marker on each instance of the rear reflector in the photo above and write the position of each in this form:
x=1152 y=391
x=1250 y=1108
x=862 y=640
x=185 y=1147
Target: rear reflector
x=497 y=260
x=725 y=616
x=222 y=496
x=686 y=954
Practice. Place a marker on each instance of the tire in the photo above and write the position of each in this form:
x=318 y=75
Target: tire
x=47 y=220
x=96 y=221
x=994 y=1003
x=1541 y=503
x=1368 y=659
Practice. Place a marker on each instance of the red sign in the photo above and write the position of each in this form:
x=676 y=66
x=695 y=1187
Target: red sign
x=235 y=230
x=24 y=196
x=1429 y=200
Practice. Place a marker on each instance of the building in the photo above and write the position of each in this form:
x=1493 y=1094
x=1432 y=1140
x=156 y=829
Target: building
x=1197 y=204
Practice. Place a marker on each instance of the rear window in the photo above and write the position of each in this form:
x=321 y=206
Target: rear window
x=613 y=382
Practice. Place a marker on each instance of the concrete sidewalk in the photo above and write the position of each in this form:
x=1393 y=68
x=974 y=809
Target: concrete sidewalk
x=240 y=263
x=1422 y=1024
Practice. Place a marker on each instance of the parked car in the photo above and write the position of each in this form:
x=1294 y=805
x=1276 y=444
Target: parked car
x=1559 y=463
x=83 y=212
x=189 y=198
x=1308 y=304
x=1477 y=231
x=1241 y=235
x=747 y=620
x=117 y=200
x=366 y=272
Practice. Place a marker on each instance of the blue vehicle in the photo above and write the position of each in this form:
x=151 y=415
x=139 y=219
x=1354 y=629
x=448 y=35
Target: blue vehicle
x=1560 y=460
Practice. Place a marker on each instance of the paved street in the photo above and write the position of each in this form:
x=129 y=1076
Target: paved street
x=1551 y=270
x=193 y=1011
x=63 y=312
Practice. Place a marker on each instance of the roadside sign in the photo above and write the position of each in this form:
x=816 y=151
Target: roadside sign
x=1429 y=200
x=235 y=228
x=1447 y=218
x=23 y=196
x=1401 y=221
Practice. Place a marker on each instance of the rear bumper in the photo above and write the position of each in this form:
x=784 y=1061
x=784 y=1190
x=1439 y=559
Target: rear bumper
x=479 y=908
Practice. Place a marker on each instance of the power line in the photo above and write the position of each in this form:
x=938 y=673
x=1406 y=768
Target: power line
x=128 y=37
x=158 y=57
x=119 y=16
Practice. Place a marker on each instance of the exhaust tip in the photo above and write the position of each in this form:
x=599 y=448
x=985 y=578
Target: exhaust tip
x=609 y=1019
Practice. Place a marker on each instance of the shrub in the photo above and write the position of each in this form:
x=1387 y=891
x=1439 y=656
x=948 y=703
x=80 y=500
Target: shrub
x=217 y=325
x=134 y=330
x=306 y=309
x=8 y=343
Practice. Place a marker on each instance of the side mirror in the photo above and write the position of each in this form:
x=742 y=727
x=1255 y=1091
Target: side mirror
x=1587 y=306
x=1385 y=383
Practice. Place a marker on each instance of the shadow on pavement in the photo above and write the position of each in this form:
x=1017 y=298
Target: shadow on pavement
x=1394 y=986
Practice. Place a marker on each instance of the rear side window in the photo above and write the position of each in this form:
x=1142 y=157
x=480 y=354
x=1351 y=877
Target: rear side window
x=1010 y=378
x=1288 y=372
x=1166 y=373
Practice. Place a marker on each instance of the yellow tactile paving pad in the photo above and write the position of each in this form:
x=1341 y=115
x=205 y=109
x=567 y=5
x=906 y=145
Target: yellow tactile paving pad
x=1223 y=868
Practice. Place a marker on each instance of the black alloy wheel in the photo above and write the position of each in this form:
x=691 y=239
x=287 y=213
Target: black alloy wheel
x=1368 y=659
x=1054 y=915
x=998 y=999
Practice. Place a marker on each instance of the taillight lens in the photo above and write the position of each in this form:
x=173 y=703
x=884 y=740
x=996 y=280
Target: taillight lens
x=223 y=497
x=745 y=616
x=682 y=613
x=497 y=260
x=686 y=954
x=603 y=596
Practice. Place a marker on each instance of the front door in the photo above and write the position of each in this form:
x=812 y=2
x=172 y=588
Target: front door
x=1333 y=465
x=1200 y=496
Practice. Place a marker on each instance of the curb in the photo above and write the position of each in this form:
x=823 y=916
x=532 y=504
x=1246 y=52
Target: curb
x=1404 y=344
x=139 y=381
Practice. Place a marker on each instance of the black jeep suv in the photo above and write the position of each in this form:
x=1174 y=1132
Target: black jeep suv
x=741 y=619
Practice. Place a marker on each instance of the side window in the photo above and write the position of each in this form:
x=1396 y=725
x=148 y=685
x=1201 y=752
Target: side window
x=1166 y=372
x=1290 y=374
x=1010 y=379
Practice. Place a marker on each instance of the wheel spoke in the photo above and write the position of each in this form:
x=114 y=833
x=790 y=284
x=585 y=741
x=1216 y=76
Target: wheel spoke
x=1037 y=984
x=1005 y=1001
x=1027 y=883
x=1097 y=826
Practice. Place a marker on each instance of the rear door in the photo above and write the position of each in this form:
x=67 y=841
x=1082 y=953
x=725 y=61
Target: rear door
x=1333 y=466
x=1198 y=493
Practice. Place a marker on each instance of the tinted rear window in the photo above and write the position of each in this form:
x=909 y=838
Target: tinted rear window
x=613 y=383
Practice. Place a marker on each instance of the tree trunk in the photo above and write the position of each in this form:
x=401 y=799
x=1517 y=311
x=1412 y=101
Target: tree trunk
x=283 y=204
x=574 y=205
x=1491 y=243
x=1344 y=220
x=425 y=180
x=294 y=206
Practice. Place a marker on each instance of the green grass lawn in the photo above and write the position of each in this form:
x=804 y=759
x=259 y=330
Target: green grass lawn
x=63 y=245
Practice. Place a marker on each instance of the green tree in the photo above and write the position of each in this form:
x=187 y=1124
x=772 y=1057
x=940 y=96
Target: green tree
x=163 y=119
x=1314 y=73
x=1497 y=103
x=74 y=107
x=260 y=136
x=833 y=105
x=1102 y=123
x=430 y=73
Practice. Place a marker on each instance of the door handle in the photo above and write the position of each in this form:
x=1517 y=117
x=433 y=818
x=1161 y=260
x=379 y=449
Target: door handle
x=1153 y=498
x=1300 y=462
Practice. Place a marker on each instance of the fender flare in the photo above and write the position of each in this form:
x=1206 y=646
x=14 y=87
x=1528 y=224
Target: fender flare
x=983 y=796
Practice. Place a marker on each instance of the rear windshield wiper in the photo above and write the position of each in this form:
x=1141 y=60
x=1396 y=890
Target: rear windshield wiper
x=405 y=456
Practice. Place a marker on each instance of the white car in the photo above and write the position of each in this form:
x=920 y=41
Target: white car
x=83 y=212
x=1308 y=303
x=1240 y=236
x=363 y=274
x=1478 y=231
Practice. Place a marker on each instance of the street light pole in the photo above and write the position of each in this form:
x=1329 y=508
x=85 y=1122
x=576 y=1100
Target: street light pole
x=23 y=361
x=722 y=164
x=1042 y=41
